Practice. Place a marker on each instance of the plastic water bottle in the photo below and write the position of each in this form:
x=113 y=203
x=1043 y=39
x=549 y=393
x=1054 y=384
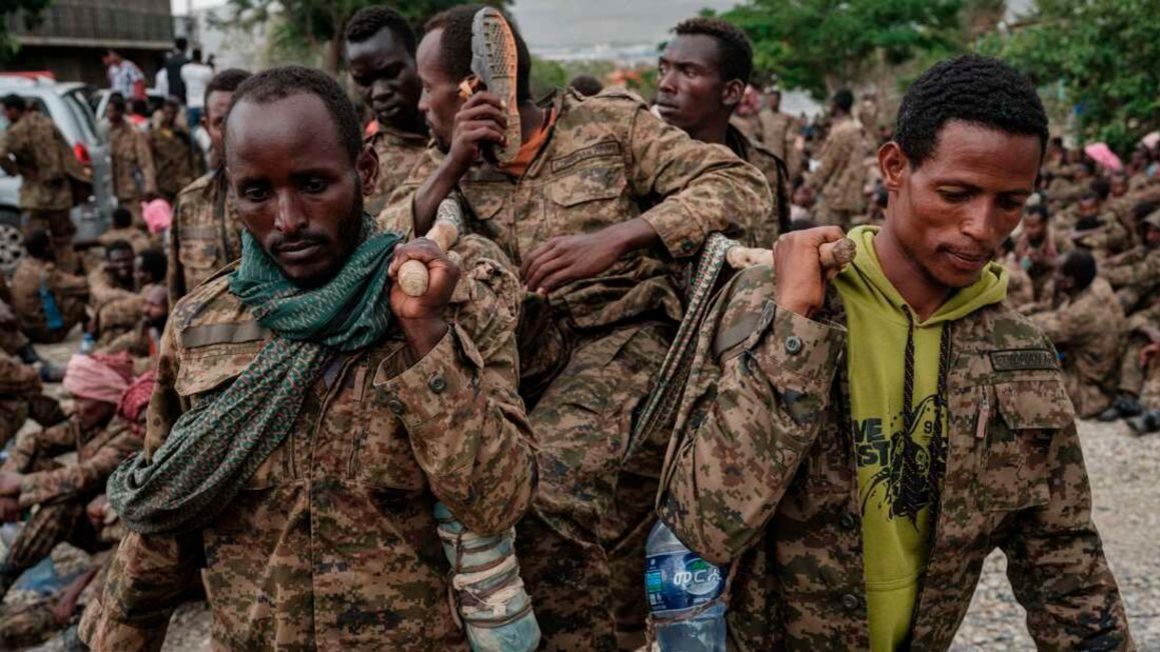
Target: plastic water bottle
x=495 y=608
x=678 y=581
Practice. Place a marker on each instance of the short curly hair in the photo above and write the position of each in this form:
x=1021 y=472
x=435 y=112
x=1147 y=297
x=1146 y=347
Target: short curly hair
x=455 y=46
x=226 y=81
x=734 y=51
x=369 y=21
x=970 y=88
x=285 y=81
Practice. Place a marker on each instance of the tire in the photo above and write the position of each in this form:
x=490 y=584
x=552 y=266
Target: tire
x=11 y=241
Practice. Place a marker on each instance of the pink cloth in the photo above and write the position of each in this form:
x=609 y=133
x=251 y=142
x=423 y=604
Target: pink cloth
x=98 y=377
x=158 y=215
x=1103 y=155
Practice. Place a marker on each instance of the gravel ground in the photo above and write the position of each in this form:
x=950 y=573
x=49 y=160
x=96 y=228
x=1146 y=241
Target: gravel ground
x=1126 y=499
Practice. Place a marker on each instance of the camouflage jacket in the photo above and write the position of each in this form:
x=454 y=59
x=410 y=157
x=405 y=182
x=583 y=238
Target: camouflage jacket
x=779 y=131
x=174 y=158
x=117 y=309
x=26 y=301
x=608 y=160
x=205 y=235
x=332 y=544
x=133 y=173
x=398 y=153
x=1088 y=332
x=761 y=472
x=34 y=149
x=99 y=451
x=764 y=231
x=1135 y=275
x=841 y=171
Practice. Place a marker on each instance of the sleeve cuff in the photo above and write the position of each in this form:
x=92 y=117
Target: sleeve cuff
x=440 y=384
x=798 y=353
x=680 y=233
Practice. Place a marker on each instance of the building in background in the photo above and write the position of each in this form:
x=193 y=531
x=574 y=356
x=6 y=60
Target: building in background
x=73 y=34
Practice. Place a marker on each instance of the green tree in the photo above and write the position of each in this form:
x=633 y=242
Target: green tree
x=318 y=24
x=821 y=45
x=1104 y=53
x=14 y=10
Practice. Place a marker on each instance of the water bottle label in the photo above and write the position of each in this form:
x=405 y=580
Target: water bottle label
x=681 y=580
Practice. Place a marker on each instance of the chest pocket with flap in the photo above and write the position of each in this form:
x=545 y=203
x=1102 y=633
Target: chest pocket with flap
x=212 y=357
x=1026 y=415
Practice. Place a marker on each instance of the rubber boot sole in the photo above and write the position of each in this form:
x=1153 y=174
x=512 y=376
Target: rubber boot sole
x=495 y=61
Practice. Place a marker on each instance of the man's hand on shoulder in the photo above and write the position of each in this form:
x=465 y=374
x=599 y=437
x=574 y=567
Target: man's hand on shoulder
x=799 y=281
x=421 y=318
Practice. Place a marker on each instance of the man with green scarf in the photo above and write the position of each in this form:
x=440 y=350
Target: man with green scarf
x=308 y=414
x=854 y=443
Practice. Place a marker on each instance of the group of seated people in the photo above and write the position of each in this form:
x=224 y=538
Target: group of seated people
x=121 y=305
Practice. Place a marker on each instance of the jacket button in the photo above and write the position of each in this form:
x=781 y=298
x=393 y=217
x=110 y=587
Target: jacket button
x=850 y=602
x=437 y=384
x=396 y=406
x=848 y=521
x=793 y=345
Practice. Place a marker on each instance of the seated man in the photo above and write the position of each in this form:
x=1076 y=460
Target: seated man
x=1036 y=252
x=113 y=295
x=21 y=398
x=1086 y=325
x=142 y=341
x=1097 y=229
x=123 y=229
x=341 y=410
x=30 y=623
x=30 y=478
x=858 y=448
x=47 y=301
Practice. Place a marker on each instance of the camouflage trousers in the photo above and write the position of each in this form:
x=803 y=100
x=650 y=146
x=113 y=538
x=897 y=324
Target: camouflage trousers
x=25 y=625
x=581 y=548
x=49 y=525
x=15 y=410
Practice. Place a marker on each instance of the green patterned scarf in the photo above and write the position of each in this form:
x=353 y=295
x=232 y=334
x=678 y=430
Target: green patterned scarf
x=212 y=450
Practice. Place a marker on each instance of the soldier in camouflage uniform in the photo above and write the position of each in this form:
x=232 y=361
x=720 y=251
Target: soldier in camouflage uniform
x=31 y=478
x=1086 y=324
x=1135 y=275
x=841 y=169
x=332 y=542
x=123 y=229
x=765 y=470
x=206 y=233
x=33 y=148
x=601 y=208
x=36 y=271
x=380 y=53
x=134 y=176
x=702 y=77
x=113 y=294
x=174 y=155
x=779 y=133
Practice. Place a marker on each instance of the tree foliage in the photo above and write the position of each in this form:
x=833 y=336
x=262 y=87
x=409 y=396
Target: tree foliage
x=26 y=10
x=820 y=45
x=1104 y=53
x=319 y=23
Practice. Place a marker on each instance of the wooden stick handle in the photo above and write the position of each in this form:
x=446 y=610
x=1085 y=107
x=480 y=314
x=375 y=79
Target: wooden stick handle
x=445 y=232
x=833 y=255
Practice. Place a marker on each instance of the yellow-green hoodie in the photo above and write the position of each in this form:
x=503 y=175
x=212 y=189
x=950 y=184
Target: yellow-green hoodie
x=900 y=457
